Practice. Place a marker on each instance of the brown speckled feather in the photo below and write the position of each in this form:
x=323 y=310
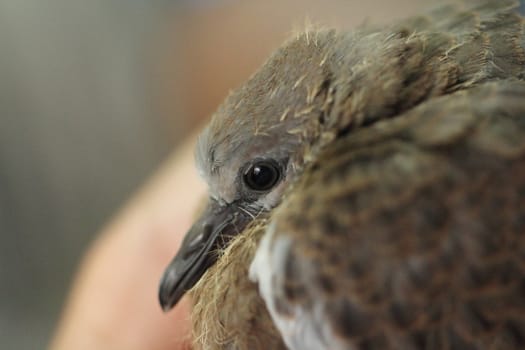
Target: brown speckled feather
x=400 y=223
x=417 y=238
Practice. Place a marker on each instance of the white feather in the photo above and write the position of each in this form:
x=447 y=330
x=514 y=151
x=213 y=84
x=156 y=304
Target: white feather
x=304 y=329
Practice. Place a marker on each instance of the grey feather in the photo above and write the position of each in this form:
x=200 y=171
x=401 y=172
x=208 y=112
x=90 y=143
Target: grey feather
x=398 y=218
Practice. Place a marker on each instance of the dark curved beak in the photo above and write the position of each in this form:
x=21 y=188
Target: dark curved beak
x=211 y=232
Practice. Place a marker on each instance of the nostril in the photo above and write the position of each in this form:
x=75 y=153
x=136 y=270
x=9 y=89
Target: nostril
x=195 y=241
x=198 y=240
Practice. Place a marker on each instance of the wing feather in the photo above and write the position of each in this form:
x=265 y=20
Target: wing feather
x=407 y=234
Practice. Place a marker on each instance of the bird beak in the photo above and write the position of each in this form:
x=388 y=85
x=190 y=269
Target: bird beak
x=211 y=232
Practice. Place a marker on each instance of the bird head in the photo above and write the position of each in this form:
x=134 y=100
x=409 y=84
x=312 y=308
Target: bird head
x=316 y=87
x=253 y=148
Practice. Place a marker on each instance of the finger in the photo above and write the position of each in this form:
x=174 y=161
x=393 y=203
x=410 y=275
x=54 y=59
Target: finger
x=113 y=303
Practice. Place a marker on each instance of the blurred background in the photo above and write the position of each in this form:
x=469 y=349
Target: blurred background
x=93 y=96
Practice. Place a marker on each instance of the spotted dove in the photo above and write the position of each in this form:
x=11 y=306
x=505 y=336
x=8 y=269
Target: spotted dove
x=367 y=191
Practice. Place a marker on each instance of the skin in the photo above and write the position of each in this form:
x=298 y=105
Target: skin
x=113 y=301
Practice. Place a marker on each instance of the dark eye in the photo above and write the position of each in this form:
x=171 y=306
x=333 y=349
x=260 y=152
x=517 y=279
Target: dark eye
x=262 y=175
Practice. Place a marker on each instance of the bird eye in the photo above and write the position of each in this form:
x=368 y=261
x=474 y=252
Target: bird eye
x=262 y=175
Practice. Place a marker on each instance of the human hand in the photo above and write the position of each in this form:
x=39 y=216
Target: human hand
x=113 y=303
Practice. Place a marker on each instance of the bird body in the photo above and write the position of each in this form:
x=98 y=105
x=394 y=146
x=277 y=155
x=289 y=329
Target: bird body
x=372 y=185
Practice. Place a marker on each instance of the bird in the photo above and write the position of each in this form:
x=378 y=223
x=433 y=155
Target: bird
x=367 y=191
